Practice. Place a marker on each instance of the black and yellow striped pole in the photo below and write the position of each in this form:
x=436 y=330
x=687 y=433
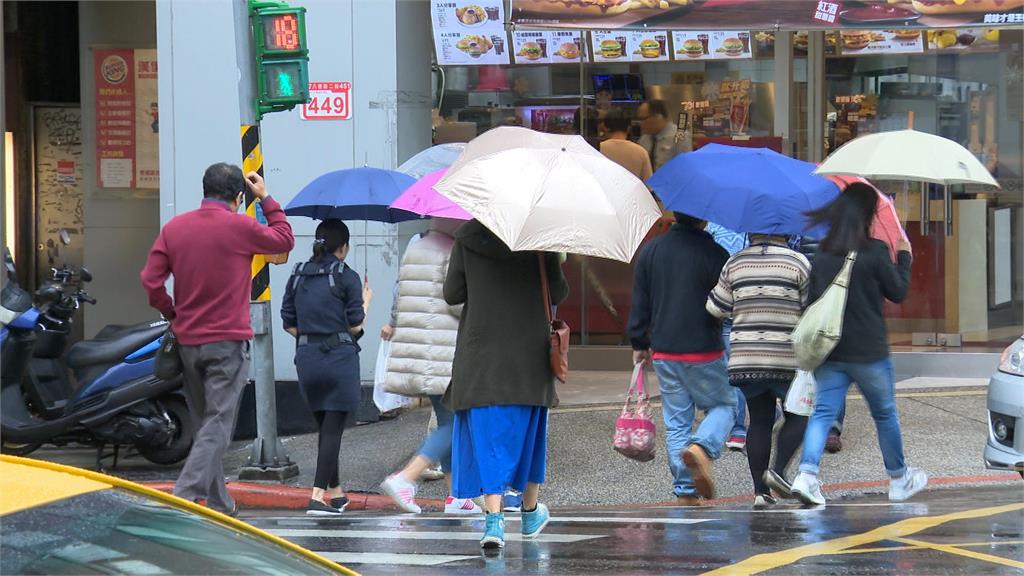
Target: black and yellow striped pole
x=252 y=161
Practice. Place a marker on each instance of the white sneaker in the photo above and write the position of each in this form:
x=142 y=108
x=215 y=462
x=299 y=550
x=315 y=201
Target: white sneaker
x=461 y=506
x=402 y=492
x=807 y=489
x=912 y=482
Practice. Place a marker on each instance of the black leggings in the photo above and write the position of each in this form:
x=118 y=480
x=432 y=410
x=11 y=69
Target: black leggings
x=331 y=425
x=759 y=438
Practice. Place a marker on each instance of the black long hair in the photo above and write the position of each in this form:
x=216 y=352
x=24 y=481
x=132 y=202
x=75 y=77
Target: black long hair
x=849 y=219
x=331 y=235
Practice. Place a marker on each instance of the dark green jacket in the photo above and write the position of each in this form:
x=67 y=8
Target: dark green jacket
x=501 y=356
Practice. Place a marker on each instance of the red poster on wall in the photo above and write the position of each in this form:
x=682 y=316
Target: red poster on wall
x=113 y=73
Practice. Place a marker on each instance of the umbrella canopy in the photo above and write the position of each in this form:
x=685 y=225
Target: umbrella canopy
x=551 y=193
x=432 y=159
x=886 y=225
x=353 y=194
x=424 y=200
x=907 y=155
x=753 y=190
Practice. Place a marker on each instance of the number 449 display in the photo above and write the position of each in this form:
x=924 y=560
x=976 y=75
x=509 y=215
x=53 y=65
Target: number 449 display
x=328 y=101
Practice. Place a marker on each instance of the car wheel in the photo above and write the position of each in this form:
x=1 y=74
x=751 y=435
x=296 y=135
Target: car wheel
x=16 y=449
x=177 y=448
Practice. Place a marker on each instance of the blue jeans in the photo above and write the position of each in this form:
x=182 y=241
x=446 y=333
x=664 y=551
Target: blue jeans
x=837 y=426
x=877 y=383
x=739 y=427
x=685 y=388
x=438 y=445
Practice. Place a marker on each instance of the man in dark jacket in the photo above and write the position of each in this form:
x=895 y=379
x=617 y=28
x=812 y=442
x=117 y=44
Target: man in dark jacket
x=209 y=252
x=670 y=325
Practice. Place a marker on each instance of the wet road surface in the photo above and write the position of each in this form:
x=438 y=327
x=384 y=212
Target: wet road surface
x=944 y=531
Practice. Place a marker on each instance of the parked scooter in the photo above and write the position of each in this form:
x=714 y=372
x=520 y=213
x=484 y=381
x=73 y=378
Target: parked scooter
x=98 y=392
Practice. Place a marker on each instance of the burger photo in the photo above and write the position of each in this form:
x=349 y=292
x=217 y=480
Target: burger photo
x=569 y=51
x=650 y=48
x=530 y=51
x=611 y=49
x=965 y=6
x=906 y=35
x=731 y=47
x=475 y=46
x=856 y=39
x=800 y=41
x=692 y=48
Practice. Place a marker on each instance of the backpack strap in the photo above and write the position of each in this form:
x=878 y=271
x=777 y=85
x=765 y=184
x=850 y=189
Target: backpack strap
x=334 y=277
x=296 y=275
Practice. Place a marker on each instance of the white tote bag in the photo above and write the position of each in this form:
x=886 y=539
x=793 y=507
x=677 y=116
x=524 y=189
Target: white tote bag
x=819 y=329
x=386 y=401
x=800 y=398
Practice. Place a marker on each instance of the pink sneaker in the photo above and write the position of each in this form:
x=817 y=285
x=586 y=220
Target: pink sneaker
x=461 y=506
x=402 y=492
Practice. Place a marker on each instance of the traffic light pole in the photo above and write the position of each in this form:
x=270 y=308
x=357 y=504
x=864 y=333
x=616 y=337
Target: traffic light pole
x=268 y=460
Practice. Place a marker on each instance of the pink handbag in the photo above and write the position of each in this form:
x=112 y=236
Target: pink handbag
x=634 y=429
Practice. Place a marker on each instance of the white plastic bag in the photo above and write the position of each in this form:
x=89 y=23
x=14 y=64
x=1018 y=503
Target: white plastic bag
x=800 y=398
x=386 y=401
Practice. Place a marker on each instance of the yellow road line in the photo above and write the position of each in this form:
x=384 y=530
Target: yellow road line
x=958 y=545
x=771 y=560
x=959 y=552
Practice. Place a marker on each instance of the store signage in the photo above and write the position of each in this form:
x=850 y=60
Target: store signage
x=328 y=101
x=764 y=14
x=629 y=46
x=870 y=42
x=127 y=113
x=708 y=45
x=469 y=32
x=547 y=47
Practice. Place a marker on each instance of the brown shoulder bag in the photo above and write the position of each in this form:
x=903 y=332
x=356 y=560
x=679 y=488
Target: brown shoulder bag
x=559 y=336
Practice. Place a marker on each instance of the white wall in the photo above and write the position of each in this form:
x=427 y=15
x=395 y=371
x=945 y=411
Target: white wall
x=349 y=40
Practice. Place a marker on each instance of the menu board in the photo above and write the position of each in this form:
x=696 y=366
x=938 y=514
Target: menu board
x=469 y=32
x=629 y=46
x=536 y=47
x=963 y=39
x=718 y=45
x=855 y=42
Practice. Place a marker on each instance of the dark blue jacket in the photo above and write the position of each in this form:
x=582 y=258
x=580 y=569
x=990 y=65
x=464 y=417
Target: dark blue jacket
x=311 y=306
x=674 y=274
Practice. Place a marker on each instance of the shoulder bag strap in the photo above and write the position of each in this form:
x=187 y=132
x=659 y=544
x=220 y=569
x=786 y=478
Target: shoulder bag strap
x=843 y=278
x=544 y=286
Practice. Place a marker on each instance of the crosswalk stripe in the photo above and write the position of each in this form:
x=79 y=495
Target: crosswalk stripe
x=407 y=535
x=468 y=519
x=393 y=559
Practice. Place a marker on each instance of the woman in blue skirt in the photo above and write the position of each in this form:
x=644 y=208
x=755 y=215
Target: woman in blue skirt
x=502 y=384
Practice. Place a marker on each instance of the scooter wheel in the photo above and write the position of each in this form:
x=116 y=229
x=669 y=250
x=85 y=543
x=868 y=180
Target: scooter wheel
x=15 y=449
x=181 y=442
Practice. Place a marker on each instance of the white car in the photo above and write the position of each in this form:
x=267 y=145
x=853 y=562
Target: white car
x=1005 y=447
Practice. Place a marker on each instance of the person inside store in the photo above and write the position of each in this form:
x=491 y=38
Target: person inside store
x=659 y=133
x=619 y=149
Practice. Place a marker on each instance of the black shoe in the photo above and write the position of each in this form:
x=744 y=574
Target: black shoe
x=318 y=508
x=778 y=483
x=340 y=503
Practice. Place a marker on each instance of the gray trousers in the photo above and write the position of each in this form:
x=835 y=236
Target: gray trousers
x=215 y=375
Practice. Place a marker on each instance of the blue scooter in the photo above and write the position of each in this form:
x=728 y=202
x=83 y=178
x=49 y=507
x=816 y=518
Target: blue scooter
x=98 y=392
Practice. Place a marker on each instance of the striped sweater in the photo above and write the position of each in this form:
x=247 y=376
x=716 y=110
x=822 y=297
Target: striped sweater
x=763 y=288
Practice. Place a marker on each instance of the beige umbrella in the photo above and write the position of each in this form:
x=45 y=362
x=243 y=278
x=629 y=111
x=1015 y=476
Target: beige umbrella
x=551 y=193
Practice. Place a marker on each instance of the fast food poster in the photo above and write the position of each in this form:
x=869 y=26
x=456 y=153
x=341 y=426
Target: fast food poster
x=735 y=97
x=712 y=45
x=532 y=47
x=868 y=42
x=568 y=45
x=114 y=79
x=610 y=45
x=650 y=46
x=147 y=120
x=470 y=32
x=629 y=46
x=963 y=40
x=767 y=14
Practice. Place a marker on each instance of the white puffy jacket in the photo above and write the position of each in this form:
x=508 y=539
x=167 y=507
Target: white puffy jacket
x=423 y=345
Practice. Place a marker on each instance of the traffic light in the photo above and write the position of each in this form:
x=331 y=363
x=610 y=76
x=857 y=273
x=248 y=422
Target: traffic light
x=282 y=58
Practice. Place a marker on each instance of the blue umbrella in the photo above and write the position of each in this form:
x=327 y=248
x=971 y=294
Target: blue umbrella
x=353 y=194
x=752 y=190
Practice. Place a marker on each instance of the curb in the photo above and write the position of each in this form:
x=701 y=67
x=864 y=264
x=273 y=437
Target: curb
x=252 y=496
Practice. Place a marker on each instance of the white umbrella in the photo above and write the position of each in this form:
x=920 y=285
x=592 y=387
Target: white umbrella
x=551 y=193
x=432 y=159
x=907 y=155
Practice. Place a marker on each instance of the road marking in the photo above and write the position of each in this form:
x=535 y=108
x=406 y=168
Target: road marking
x=958 y=545
x=393 y=559
x=406 y=535
x=960 y=552
x=300 y=521
x=771 y=560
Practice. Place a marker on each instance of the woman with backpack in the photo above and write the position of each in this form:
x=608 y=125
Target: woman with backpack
x=862 y=353
x=324 y=308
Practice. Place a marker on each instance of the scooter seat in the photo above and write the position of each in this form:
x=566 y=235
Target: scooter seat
x=114 y=346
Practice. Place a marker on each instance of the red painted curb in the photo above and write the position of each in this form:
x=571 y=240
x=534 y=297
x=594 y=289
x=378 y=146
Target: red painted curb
x=249 y=495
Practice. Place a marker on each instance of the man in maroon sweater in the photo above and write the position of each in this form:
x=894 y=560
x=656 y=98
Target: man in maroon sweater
x=209 y=252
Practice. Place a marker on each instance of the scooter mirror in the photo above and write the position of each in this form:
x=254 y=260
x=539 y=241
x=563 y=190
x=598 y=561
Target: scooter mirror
x=85 y=275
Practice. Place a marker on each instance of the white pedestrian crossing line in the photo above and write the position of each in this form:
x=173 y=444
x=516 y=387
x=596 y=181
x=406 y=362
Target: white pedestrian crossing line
x=393 y=559
x=408 y=535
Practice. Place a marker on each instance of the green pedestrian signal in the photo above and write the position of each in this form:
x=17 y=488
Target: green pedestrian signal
x=282 y=57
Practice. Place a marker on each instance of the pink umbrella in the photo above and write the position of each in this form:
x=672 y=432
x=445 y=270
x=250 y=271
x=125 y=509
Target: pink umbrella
x=886 y=225
x=422 y=199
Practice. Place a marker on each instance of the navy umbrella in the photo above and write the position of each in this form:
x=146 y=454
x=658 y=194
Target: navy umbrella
x=753 y=190
x=353 y=194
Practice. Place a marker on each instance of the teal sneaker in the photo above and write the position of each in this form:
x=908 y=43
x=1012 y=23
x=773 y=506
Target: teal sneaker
x=494 y=533
x=534 y=522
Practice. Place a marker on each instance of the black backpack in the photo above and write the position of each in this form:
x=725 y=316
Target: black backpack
x=333 y=271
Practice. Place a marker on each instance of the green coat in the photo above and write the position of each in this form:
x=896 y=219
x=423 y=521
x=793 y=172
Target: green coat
x=501 y=355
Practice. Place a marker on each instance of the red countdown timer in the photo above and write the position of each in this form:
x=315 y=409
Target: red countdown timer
x=281 y=32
